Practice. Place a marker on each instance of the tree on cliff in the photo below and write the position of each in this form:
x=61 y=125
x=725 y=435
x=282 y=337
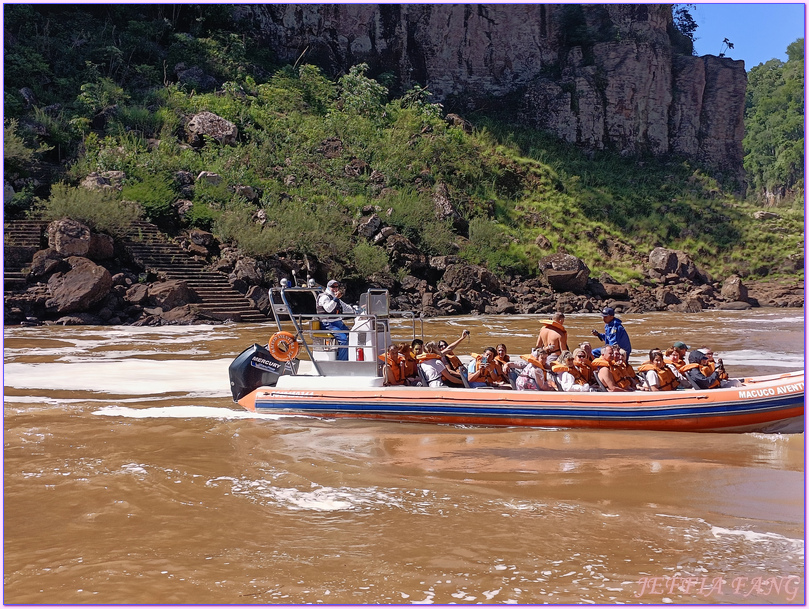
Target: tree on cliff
x=685 y=27
x=774 y=120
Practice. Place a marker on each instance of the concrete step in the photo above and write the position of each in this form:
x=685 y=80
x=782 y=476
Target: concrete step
x=218 y=299
x=224 y=302
x=213 y=292
x=149 y=248
x=25 y=233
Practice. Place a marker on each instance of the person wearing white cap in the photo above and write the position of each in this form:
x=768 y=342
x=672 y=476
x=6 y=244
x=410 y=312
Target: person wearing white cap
x=614 y=332
x=328 y=302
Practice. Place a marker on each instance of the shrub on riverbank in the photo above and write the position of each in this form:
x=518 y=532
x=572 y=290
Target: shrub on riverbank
x=103 y=211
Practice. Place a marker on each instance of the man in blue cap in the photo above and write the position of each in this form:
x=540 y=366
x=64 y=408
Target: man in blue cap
x=614 y=332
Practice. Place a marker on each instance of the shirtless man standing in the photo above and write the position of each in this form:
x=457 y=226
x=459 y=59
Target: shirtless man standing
x=553 y=336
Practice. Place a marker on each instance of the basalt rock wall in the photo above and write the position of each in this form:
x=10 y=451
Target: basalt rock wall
x=602 y=76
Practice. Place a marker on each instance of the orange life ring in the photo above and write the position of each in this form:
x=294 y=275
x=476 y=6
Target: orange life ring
x=283 y=346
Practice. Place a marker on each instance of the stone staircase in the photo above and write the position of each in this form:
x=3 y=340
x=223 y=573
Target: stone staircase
x=148 y=247
x=21 y=240
x=151 y=249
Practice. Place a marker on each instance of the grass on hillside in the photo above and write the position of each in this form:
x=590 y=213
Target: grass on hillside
x=511 y=184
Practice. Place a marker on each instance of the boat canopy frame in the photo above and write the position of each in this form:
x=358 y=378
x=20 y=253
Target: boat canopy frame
x=372 y=319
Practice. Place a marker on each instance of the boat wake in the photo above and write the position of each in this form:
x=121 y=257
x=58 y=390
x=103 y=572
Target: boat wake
x=183 y=412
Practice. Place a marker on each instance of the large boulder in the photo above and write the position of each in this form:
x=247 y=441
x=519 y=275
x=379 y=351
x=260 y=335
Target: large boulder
x=69 y=237
x=45 y=262
x=663 y=260
x=137 y=294
x=194 y=77
x=106 y=180
x=207 y=124
x=369 y=226
x=734 y=306
x=246 y=270
x=102 y=247
x=665 y=296
x=689 y=305
x=80 y=319
x=201 y=237
x=259 y=298
x=617 y=291
x=446 y=210
x=565 y=273
x=403 y=253
x=463 y=277
x=733 y=289
x=81 y=287
x=209 y=177
x=181 y=316
x=667 y=263
x=503 y=306
x=170 y=294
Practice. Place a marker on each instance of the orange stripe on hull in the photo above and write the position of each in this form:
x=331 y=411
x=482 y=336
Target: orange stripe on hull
x=702 y=423
x=773 y=405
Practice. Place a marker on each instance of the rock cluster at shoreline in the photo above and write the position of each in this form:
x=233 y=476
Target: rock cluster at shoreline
x=84 y=278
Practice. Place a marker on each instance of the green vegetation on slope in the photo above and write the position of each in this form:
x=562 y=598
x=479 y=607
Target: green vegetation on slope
x=321 y=152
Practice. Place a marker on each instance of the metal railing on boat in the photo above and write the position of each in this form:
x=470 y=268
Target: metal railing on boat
x=368 y=338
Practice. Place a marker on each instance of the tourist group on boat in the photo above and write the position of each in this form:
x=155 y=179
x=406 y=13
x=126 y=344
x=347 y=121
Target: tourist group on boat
x=552 y=366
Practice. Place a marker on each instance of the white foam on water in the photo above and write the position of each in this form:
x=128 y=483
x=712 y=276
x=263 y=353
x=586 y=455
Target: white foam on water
x=319 y=499
x=124 y=355
x=182 y=412
x=131 y=376
x=754 y=537
x=134 y=468
x=749 y=357
x=33 y=399
x=84 y=341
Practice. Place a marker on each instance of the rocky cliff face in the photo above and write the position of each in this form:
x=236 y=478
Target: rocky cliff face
x=603 y=76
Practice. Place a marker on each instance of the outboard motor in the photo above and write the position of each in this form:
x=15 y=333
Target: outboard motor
x=255 y=368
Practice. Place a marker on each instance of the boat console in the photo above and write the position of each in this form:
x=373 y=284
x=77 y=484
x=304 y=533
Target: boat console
x=299 y=332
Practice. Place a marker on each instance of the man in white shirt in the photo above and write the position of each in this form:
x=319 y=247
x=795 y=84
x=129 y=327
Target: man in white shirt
x=329 y=302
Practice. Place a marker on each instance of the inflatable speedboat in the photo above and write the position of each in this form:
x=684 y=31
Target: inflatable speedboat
x=273 y=378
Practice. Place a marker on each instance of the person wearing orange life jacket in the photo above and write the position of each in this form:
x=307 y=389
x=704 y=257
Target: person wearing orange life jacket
x=673 y=358
x=675 y=363
x=626 y=373
x=696 y=362
x=582 y=359
x=410 y=363
x=436 y=372
x=447 y=351
x=534 y=372
x=681 y=348
x=569 y=375
x=394 y=370
x=659 y=377
x=487 y=370
x=553 y=336
x=719 y=367
x=588 y=350
x=503 y=360
x=605 y=368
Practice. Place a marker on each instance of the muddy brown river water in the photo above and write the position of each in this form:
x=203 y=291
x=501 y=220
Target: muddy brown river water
x=131 y=477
